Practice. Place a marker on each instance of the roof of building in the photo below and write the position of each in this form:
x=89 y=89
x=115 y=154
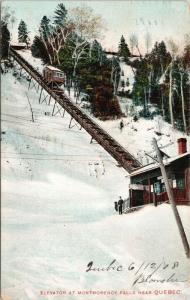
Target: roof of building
x=53 y=68
x=18 y=44
x=150 y=167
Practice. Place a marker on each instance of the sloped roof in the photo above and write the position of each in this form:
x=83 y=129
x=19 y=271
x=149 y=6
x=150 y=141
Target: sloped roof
x=53 y=68
x=153 y=166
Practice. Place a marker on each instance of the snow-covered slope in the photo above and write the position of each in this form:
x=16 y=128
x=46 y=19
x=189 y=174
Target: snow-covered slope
x=57 y=212
x=136 y=137
x=127 y=75
x=35 y=62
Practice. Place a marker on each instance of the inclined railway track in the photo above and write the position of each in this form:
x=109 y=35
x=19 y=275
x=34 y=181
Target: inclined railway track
x=119 y=153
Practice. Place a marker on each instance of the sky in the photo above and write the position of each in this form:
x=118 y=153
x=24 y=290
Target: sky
x=162 y=19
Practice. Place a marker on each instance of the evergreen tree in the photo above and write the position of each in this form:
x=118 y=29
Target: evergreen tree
x=39 y=50
x=60 y=15
x=22 y=32
x=97 y=54
x=123 y=49
x=45 y=27
x=5 y=39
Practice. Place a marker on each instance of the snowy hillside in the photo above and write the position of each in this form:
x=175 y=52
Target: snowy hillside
x=136 y=137
x=127 y=75
x=58 y=214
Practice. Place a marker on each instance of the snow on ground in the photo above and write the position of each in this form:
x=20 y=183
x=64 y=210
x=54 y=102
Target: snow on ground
x=57 y=212
x=127 y=75
x=35 y=62
x=137 y=136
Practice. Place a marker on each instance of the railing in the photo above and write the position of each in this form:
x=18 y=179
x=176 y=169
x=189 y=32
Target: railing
x=126 y=204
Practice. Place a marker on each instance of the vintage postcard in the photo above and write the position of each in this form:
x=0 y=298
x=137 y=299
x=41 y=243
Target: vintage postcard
x=95 y=150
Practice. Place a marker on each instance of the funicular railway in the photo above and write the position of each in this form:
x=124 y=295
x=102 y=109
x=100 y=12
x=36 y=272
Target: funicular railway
x=119 y=153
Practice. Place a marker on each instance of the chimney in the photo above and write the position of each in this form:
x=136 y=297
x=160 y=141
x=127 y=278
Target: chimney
x=182 y=145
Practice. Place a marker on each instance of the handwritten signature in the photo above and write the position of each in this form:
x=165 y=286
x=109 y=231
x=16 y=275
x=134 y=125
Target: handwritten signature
x=143 y=273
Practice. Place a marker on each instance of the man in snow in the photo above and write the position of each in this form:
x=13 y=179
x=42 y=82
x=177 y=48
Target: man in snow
x=120 y=205
x=121 y=125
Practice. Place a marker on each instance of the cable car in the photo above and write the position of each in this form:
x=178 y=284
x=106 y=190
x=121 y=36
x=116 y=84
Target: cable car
x=53 y=76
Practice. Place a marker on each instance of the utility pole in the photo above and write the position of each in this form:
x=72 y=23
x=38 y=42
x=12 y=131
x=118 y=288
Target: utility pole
x=171 y=200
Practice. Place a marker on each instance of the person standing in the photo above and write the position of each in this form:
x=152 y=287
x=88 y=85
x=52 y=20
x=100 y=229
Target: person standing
x=121 y=125
x=120 y=205
x=116 y=205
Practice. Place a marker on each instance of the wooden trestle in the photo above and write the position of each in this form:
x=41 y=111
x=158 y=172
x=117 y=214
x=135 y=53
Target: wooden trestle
x=119 y=153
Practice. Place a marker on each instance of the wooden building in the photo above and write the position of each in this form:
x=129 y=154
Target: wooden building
x=147 y=185
x=53 y=75
x=19 y=46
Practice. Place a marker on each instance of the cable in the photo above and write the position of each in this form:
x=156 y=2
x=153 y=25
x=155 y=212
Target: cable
x=72 y=155
x=54 y=159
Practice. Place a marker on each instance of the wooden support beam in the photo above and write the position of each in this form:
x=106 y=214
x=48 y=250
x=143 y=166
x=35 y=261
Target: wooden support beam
x=44 y=100
x=53 y=108
x=20 y=71
x=70 y=122
x=107 y=143
x=49 y=100
x=59 y=111
x=32 y=114
x=34 y=85
x=40 y=94
x=29 y=82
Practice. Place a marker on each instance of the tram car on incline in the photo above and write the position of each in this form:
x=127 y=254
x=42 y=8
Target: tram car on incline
x=53 y=76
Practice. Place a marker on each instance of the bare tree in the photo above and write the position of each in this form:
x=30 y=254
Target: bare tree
x=54 y=40
x=174 y=50
x=182 y=100
x=87 y=27
x=8 y=18
x=184 y=68
x=134 y=43
x=115 y=74
x=147 y=41
x=6 y=14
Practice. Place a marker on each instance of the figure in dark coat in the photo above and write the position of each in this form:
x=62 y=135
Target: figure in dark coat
x=120 y=205
x=116 y=206
x=121 y=125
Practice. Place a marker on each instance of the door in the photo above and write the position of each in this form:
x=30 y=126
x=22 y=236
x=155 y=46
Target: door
x=137 y=198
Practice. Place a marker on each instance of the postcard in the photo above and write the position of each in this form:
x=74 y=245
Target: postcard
x=95 y=150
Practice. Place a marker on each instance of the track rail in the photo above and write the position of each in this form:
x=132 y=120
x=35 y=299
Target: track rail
x=119 y=153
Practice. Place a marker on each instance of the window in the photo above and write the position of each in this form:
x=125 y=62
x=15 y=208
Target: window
x=180 y=183
x=157 y=187
x=163 y=187
x=59 y=74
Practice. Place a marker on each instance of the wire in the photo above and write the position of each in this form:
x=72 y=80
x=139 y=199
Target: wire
x=54 y=159
x=72 y=155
